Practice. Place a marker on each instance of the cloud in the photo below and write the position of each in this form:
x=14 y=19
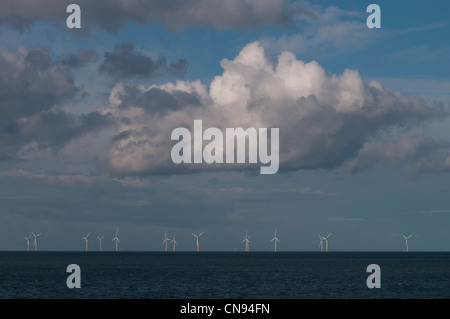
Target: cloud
x=178 y=68
x=30 y=82
x=125 y=62
x=80 y=59
x=175 y=15
x=437 y=211
x=32 y=89
x=144 y=116
x=324 y=30
x=416 y=154
x=326 y=121
x=157 y=101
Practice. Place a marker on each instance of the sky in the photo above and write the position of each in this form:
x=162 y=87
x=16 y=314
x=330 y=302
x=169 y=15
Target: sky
x=86 y=117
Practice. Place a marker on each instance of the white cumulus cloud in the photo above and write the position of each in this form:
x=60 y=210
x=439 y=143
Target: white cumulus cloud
x=326 y=121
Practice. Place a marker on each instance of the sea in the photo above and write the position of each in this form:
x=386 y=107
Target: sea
x=225 y=275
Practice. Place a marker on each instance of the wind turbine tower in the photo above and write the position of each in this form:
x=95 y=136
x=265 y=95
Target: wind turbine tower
x=275 y=239
x=166 y=240
x=326 y=242
x=174 y=242
x=100 y=239
x=321 y=242
x=35 y=240
x=197 y=237
x=247 y=242
x=407 y=238
x=116 y=239
x=86 y=239
x=28 y=242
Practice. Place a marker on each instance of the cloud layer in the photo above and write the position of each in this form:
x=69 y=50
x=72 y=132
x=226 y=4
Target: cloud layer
x=175 y=15
x=32 y=89
x=323 y=31
x=125 y=62
x=326 y=121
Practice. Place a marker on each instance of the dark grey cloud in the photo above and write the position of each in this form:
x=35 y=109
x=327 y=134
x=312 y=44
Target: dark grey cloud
x=33 y=87
x=51 y=129
x=55 y=128
x=175 y=15
x=416 y=154
x=31 y=82
x=80 y=59
x=125 y=62
x=178 y=68
x=326 y=138
x=156 y=101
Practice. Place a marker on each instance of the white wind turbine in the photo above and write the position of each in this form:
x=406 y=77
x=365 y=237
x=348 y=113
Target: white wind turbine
x=174 y=242
x=86 y=239
x=275 y=239
x=197 y=236
x=100 y=239
x=247 y=242
x=117 y=239
x=326 y=241
x=407 y=238
x=166 y=240
x=321 y=242
x=35 y=240
x=28 y=242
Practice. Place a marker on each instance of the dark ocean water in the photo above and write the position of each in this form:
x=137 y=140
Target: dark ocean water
x=218 y=275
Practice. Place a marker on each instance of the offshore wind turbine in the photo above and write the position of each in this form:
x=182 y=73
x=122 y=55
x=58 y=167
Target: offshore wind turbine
x=275 y=239
x=86 y=239
x=28 y=242
x=407 y=238
x=166 y=240
x=35 y=240
x=247 y=242
x=117 y=239
x=197 y=236
x=174 y=242
x=100 y=239
x=326 y=242
x=321 y=242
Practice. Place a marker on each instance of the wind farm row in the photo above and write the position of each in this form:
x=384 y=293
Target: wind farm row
x=116 y=239
x=167 y=241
